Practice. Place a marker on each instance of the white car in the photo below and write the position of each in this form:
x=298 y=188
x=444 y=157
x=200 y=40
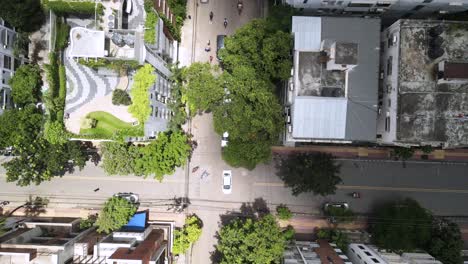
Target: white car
x=224 y=139
x=227 y=181
x=131 y=197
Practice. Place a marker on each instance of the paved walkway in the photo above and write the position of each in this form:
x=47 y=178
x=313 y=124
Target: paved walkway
x=448 y=155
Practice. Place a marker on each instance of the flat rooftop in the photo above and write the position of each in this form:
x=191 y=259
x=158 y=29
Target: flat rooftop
x=336 y=64
x=87 y=43
x=432 y=110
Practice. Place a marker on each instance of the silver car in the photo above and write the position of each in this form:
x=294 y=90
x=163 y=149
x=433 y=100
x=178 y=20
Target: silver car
x=227 y=181
x=131 y=197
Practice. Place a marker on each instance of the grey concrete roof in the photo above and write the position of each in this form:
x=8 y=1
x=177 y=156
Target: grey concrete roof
x=362 y=80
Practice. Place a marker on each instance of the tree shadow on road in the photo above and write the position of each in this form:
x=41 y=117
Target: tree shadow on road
x=255 y=210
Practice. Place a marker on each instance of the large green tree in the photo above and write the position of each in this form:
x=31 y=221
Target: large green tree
x=163 y=155
x=257 y=45
x=258 y=241
x=252 y=117
x=39 y=161
x=19 y=126
x=27 y=15
x=446 y=242
x=118 y=158
x=116 y=213
x=202 y=90
x=26 y=85
x=142 y=81
x=401 y=225
x=187 y=235
x=309 y=172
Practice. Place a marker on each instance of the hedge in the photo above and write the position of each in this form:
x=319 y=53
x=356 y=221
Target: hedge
x=120 y=97
x=150 y=27
x=61 y=41
x=117 y=65
x=61 y=7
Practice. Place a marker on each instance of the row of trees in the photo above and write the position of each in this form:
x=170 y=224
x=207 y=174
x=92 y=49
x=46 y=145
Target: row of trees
x=159 y=158
x=405 y=226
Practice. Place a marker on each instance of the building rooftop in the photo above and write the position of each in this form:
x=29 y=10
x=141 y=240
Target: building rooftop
x=336 y=59
x=87 y=43
x=432 y=109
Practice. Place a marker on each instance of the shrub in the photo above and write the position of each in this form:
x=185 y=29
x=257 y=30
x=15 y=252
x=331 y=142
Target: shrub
x=289 y=233
x=340 y=214
x=283 y=212
x=402 y=153
x=61 y=7
x=61 y=41
x=55 y=133
x=143 y=80
x=189 y=234
x=120 y=97
x=88 y=222
x=62 y=83
x=427 y=149
x=88 y=123
x=150 y=26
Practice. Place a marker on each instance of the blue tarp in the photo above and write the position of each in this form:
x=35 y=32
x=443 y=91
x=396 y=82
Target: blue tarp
x=137 y=222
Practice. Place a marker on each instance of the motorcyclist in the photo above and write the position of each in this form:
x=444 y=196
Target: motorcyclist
x=225 y=22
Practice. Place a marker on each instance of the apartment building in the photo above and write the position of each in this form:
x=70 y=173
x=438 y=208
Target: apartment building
x=332 y=93
x=319 y=252
x=423 y=84
x=8 y=63
x=370 y=254
x=388 y=10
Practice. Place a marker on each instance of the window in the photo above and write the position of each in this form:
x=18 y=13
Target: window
x=427 y=1
x=361 y=247
x=383 y=4
x=416 y=8
x=353 y=250
x=359 y=5
x=389 y=105
x=359 y=256
x=389 y=65
x=6 y=62
x=387 y=123
x=339 y=2
x=389 y=88
x=375 y=260
x=367 y=253
x=305 y=1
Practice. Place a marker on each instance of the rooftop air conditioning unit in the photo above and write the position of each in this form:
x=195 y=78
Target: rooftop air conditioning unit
x=394 y=39
x=289 y=128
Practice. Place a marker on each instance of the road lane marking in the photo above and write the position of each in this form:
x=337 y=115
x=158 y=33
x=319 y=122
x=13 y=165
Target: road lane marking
x=373 y=188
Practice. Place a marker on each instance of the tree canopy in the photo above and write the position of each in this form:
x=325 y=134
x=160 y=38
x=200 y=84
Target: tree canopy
x=202 y=90
x=247 y=241
x=116 y=213
x=27 y=15
x=310 y=172
x=142 y=81
x=118 y=158
x=39 y=161
x=26 y=85
x=19 y=126
x=252 y=117
x=257 y=45
x=446 y=242
x=187 y=235
x=402 y=225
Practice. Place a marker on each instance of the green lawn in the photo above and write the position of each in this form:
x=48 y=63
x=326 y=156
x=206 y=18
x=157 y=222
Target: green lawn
x=106 y=126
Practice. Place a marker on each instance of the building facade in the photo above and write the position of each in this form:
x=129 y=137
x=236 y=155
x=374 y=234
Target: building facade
x=8 y=63
x=319 y=252
x=370 y=254
x=423 y=84
x=332 y=93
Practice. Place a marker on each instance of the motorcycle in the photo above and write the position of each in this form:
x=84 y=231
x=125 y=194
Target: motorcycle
x=225 y=23
x=355 y=195
x=195 y=169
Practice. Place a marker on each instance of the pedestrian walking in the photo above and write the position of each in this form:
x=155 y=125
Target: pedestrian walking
x=211 y=58
x=97 y=189
x=211 y=17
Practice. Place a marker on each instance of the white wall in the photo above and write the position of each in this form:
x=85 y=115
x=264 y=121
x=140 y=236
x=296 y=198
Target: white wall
x=363 y=254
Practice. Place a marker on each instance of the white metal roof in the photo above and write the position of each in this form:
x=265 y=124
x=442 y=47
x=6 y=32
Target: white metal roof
x=307 y=33
x=87 y=43
x=319 y=117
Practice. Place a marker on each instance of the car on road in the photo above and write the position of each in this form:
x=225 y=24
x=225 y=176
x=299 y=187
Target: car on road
x=342 y=205
x=204 y=1
x=129 y=196
x=219 y=44
x=224 y=139
x=227 y=181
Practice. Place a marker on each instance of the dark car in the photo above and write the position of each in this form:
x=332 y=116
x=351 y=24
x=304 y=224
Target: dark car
x=219 y=44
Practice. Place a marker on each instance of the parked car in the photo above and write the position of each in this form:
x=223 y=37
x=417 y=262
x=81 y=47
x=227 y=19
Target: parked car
x=326 y=206
x=227 y=181
x=129 y=196
x=219 y=44
x=224 y=139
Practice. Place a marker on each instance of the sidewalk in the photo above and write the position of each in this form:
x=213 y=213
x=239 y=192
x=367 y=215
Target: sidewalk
x=382 y=153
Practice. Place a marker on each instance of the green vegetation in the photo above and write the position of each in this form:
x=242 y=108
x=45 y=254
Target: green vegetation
x=120 y=66
x=143 y=80
x=179 y=10
x=55 y=133
x=159 y=158
x=19 y=126
x=3 y=230
x=336 y=236
x=289 y=233
x=106 y=125
x=283 y=212
x=402 y=153
x=27 y=15
x=116 y=213
x=402 y=226
x=20 y=44
x=63 y=7
x=39 y=161
x=187 y=235
x=121 y=97
x=310 y=172
x=202 y=90
x=62 y=33
x=340 y=215
x=150 y=25
x=251 y=241
x=176 y=105
x=446 y=242
x=26 y=85
x=87 y=222
x=55 y=96
x=427 y=149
